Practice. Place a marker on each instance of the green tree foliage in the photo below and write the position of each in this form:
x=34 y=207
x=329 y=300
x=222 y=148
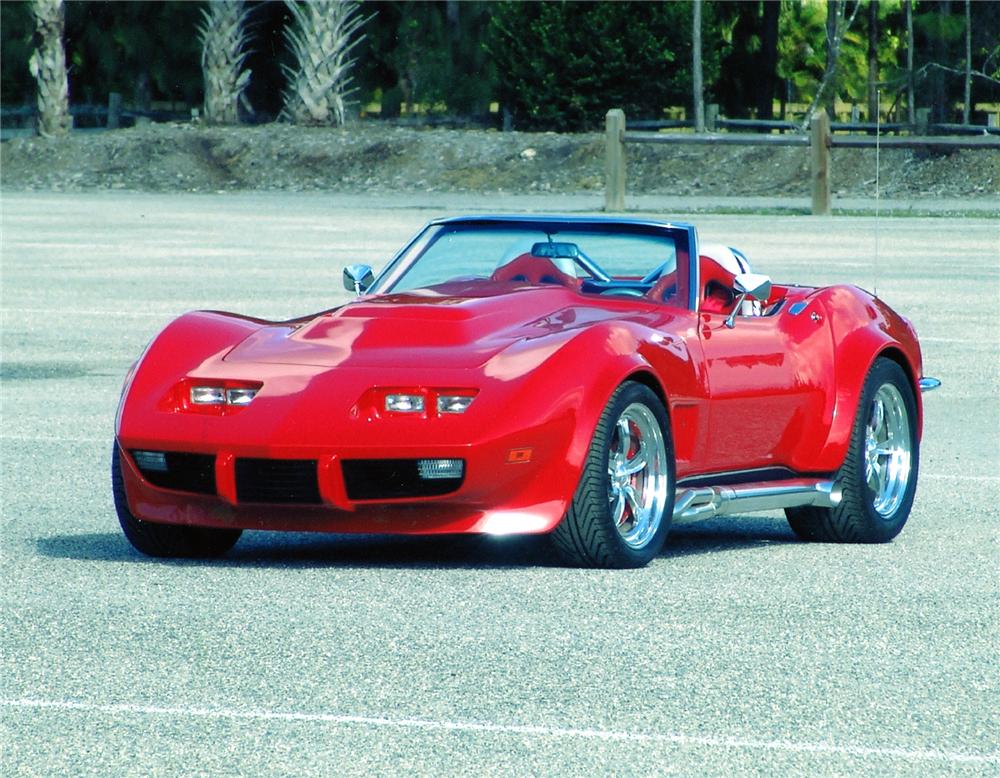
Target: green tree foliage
x=939 y=30
x=430 y=53
x=145 y=50
x=746 y=34
x=17 y=27
x=802 y=51
x=562 y=65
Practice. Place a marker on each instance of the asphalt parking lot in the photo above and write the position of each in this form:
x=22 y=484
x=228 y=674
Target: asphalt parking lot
x=739 y=651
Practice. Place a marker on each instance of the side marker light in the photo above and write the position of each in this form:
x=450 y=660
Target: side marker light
x=519 y=456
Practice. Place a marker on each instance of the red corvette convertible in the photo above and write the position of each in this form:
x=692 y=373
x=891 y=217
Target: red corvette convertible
x=590 y=378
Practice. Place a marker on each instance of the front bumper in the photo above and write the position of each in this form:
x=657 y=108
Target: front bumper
x=495 y=497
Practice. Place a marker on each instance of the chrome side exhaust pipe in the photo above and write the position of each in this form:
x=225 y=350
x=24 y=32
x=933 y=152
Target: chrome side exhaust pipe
x=707 y=501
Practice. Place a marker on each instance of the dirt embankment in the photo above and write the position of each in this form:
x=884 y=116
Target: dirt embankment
x=377 y=158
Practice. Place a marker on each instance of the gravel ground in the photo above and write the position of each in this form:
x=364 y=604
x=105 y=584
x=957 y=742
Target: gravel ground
x=383 y=159
x=739 y=651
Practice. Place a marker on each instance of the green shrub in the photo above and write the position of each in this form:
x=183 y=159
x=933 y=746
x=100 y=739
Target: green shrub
x=562 y=65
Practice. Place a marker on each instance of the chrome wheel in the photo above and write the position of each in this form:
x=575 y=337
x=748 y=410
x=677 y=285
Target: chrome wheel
x=887 y=450
x=638 y=475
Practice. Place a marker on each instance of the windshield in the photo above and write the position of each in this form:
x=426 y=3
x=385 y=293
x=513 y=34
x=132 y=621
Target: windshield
x=601 y=254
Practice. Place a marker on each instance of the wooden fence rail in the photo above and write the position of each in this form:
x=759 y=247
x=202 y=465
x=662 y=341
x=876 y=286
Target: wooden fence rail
x=820 y=140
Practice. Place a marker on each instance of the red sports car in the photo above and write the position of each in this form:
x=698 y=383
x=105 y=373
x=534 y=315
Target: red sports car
x=590 y=378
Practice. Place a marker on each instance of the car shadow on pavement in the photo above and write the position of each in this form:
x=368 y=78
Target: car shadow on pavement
x=274 y=549
x=727 y=534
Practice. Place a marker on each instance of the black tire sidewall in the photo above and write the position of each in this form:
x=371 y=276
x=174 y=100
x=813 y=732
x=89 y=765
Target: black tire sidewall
x=629 y=393
x=884 y=371
x=165 y=540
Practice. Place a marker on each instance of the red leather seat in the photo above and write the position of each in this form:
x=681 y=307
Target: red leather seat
x=716 y=285
x=529 y=269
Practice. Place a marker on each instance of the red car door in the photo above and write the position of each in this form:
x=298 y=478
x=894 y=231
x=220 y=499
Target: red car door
x=768 y=402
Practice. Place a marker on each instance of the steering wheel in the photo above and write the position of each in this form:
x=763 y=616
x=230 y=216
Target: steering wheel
x=623 y=291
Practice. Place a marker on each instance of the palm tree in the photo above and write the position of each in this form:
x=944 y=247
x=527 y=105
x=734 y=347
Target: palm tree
x=224 y=33
x=322 y=37
x=48 y=67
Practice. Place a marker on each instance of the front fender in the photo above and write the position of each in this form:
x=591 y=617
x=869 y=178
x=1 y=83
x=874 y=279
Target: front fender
x=581 y=370
x=194 y=339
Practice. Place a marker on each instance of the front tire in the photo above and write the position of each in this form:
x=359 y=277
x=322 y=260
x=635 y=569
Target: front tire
x=623 y=505
x=879 y=475
x=166 y=540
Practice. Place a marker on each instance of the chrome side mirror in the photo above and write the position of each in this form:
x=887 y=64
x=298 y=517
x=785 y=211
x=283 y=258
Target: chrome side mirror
x=753 y=285
x=358 y=278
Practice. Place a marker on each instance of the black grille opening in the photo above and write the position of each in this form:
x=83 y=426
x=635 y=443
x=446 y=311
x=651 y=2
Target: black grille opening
x=277 y=481
x=387 y=479
x=176 y=470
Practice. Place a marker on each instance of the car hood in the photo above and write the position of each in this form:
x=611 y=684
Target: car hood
x=418 y=329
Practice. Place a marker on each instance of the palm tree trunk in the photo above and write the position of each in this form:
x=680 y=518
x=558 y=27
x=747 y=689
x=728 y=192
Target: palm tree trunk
x=224 y=34
x=321 y=40
x=48 y=66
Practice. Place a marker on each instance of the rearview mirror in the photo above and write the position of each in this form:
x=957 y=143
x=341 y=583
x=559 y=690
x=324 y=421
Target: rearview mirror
x=555 y=250
x=753 y=285
x=358 y=278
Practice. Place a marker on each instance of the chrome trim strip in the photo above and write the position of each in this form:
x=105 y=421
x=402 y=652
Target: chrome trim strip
x=705 y=502
x=736 y=477
x=928 y=384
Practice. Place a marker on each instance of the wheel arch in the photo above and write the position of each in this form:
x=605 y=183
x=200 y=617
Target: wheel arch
x=646 y=377
x=896 y=355
x=632 y=353
x=885 y=335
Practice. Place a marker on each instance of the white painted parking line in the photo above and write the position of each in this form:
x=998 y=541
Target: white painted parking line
x=91 y=312
x=948 y=477
x=53 y=439
x=131 y=709
x=968 y=341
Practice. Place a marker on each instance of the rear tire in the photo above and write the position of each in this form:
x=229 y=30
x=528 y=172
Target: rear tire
x=879 y=475
x=166 y=540
x=623 y=505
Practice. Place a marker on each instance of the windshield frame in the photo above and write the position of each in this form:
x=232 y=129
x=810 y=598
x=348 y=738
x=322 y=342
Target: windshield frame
x=684 y=236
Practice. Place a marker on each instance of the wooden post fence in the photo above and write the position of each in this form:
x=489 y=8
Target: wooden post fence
x=819 y=164
x=114 y=110
x=820 y=140
x=614 y=160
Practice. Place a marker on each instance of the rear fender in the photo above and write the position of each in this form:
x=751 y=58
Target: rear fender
x=882 y=332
